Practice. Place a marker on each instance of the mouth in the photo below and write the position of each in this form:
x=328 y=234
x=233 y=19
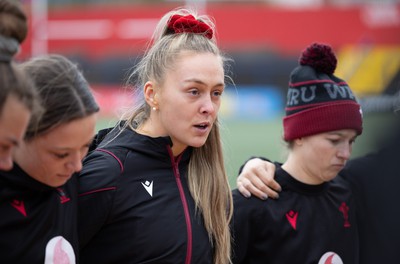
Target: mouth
x=202 y=126
x=340 y=166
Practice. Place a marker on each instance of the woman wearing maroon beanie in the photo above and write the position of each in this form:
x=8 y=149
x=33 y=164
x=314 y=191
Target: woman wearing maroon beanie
x=314 y=219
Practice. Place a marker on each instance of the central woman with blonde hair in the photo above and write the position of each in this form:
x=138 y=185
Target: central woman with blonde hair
x=155 y=189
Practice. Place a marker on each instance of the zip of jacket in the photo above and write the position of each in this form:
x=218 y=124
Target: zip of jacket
x=175 y=166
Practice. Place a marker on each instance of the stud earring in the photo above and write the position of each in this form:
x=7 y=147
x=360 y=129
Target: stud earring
x=154 y=108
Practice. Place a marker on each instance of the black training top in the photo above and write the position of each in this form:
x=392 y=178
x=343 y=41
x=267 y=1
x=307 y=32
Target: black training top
x=307 y=224
x=135 y=205
x=375 y=181
x=37 y=222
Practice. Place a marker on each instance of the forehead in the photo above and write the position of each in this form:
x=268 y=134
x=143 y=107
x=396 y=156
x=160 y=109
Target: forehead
x=342 y=133
x=14 y=118
x=189 y=65
x=73 y=134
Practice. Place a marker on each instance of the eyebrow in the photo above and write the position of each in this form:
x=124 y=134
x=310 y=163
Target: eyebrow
x=203 y=83
x=335 y=133
x=340 y=134
x=67 y=148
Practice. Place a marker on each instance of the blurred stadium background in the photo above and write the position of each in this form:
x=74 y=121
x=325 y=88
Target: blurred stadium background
x=264 y=38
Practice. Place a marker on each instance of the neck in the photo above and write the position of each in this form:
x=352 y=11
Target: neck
x=148 y=130
x=177 y=150
x=297 y=168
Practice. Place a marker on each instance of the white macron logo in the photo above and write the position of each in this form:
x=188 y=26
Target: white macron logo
x=149 y=187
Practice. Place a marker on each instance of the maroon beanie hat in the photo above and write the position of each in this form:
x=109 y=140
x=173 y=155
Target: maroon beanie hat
x=318 y=101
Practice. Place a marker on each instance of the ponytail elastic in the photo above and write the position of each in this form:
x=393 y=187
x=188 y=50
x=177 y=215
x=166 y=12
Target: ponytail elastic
x=8 y=48
x=189 y=24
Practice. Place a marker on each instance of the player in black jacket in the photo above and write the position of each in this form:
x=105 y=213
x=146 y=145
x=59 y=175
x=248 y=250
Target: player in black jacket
x=151 y=212
x=38 y=197
x=374 y=180
x=155 y=189
x=314 y=219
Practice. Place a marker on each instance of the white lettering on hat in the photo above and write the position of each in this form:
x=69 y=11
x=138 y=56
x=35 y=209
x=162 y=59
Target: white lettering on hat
x=293 y=95
x=307 y=94
x=334 y=90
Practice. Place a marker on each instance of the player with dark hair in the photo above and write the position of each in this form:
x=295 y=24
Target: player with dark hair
x=38 y=197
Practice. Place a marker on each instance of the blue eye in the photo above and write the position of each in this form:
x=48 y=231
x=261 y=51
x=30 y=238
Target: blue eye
x=217 y=93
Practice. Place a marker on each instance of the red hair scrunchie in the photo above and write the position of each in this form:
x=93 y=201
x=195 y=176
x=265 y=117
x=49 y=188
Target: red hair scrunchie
x=188 y=24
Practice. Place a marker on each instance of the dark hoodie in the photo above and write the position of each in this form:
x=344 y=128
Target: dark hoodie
x=37 y=222
x=375 y=180
x=135 y=205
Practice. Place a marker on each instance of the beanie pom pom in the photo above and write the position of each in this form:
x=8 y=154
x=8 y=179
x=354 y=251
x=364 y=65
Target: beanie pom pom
x=320 y=57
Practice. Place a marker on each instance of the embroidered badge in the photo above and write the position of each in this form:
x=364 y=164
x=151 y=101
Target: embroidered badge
x=291 y=216
x=149 y=187
x=20 y=206
x=345 y=211
x=63 y=196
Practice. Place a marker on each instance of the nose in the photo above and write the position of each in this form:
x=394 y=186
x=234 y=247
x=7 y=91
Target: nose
x=6 y=162
x=208 y=106
x=345 y=152
x=75 y=164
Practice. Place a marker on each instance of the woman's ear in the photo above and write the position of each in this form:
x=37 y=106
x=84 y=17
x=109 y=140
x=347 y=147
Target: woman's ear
x=298 y=141
x=150 y=95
